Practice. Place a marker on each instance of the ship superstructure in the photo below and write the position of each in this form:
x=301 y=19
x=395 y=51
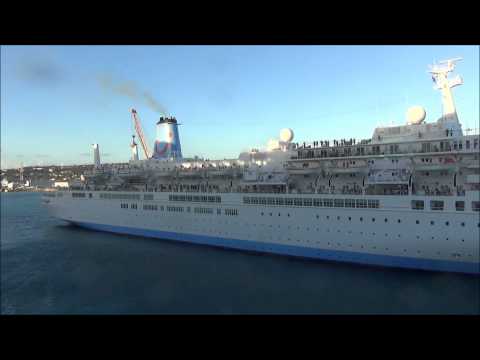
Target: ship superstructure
x=406 y=197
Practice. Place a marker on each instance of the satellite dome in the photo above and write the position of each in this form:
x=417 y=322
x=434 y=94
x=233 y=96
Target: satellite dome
x=415 y=115
x=286 y=135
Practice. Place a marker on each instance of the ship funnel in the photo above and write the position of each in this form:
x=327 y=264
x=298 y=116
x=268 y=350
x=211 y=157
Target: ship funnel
x=167 y=142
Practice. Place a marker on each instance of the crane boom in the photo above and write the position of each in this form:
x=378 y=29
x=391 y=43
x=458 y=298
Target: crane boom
x=141 y=136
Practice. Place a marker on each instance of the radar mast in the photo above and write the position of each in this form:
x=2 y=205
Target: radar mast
x=440 y=73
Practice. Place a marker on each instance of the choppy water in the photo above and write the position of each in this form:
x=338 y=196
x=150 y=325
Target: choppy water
x=48 y=267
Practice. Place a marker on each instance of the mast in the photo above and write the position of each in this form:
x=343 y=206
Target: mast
x=440 y=73
x=133 y=145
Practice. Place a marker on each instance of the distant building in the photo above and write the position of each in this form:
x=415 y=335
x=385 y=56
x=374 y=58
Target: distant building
x=61 y=184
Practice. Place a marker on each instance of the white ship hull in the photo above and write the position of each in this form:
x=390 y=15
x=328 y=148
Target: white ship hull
x=391 y=235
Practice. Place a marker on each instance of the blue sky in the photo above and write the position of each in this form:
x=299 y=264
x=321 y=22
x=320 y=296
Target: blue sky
x=228 y=98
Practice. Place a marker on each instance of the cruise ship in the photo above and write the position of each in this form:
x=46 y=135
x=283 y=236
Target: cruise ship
x=408 y=197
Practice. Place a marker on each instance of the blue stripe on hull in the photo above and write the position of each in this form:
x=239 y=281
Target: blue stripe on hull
x=299 y=251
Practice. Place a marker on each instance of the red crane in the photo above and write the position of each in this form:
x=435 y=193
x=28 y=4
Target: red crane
x=141 y=136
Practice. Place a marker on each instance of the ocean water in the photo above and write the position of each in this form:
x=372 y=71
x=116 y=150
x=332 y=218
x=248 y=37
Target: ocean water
x=48 y=267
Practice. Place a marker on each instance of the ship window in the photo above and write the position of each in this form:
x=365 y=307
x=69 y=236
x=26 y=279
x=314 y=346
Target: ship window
x=475 y=205
x=418 y=204
x=148 y=197
x=328 y=202
x=271 y=201
x=288 y=201
x=460 y=205
x=298 y=202
x=246 y=200
x=361 y=203
x=373 y=204
x=263 y=201
x=338 y=202
x=218 y=199
x=436 y=205
x=307 y=202
x=279 y=201
x=350 y=203
x=317 y=202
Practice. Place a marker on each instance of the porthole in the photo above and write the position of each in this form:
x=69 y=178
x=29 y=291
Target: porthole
x=386 y=220
x=262 y=213
x=432 y=222
x=349 y=218
x=318 y=217
x=463 y=240
x=338 y=217
x=417 y=222
x=328 y=217
x=373 y=219
x=463 y=224
x=399 y=221
x=361 y=219
x=447 y=223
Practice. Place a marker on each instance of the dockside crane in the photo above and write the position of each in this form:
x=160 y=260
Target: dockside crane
x=141 y=136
